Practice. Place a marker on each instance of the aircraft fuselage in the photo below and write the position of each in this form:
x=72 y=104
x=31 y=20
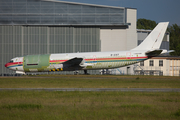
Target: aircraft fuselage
x=91 y=61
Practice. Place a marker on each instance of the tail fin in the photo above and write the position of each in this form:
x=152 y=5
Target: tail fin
x=154 y=39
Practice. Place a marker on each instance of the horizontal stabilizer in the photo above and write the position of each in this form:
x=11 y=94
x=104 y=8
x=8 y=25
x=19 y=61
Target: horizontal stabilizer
x=153 y=53
x=165 y=51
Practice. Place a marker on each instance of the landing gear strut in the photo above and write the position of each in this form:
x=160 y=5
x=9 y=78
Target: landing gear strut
x=85 y=72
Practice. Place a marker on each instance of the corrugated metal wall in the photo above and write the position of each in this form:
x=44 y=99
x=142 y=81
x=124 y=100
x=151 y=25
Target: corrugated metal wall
x=40 y=12
x=26 y=40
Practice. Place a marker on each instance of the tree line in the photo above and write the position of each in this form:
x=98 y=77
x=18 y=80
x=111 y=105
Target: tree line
x=173 y=29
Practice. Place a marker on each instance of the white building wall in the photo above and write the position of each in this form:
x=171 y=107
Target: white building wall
x=165 y=70
x=120 y=39
x=167 y=67
x=171 y=67
x=113 y=40
x=131 y=32
x=175 y=67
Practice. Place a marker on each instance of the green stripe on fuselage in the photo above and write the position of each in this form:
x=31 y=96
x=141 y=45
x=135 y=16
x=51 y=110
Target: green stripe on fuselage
x=36 y=63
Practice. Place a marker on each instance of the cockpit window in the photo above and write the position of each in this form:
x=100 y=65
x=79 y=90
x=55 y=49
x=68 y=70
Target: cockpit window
x=11 y=61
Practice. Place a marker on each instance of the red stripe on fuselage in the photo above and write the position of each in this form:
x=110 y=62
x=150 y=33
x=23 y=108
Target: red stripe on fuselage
x=102 y=59
x=117 y=58
x=14 y=63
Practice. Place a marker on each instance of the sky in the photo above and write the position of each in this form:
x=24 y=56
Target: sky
x=156 y=10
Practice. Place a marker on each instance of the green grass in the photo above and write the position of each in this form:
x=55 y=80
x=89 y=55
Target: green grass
x=28 y=105
x=177 y=113
x=88 y=105
x=22 y=106
x=135 y=106
x=90 y=81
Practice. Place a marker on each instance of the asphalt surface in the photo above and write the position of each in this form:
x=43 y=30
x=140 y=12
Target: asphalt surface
x=96 y=89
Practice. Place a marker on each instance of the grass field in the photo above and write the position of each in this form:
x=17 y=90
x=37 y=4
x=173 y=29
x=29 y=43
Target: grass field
x=77 y=105
x=90 y=81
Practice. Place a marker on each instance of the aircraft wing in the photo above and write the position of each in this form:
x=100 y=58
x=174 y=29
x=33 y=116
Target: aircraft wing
x=71 y=63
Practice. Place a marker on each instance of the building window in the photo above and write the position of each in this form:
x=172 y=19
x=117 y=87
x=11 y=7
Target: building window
x=161 y=73
x=151 y=73
x=151 y=63
x=142 y=63
x=160 y=62
x=141 y=73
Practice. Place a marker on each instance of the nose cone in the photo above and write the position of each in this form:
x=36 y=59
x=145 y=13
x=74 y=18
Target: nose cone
x=6 y=64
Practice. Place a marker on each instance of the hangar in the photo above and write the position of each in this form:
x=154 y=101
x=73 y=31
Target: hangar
x=53 y=26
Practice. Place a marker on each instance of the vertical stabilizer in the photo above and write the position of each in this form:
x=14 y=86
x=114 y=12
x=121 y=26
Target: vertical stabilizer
x=154 y=39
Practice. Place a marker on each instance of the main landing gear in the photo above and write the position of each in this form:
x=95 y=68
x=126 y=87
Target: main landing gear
x=77 y=72
x=85 y=72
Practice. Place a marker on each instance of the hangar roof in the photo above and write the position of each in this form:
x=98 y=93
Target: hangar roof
x=60 y=13
x=83 y=4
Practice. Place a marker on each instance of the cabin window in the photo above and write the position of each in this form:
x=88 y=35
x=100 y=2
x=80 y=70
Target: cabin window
x=151 y=63
x=11 y=61
x=160 y=62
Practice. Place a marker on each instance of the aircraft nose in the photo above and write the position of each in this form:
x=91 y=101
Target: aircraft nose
x=6 y=64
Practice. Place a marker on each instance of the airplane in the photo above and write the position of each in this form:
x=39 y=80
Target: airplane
x=92 y=60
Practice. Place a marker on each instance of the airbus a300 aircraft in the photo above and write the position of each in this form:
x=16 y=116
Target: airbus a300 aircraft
x=92 y=60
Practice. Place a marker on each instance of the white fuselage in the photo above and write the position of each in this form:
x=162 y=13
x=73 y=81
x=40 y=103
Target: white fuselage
x=91 y=60
x=103 y=60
